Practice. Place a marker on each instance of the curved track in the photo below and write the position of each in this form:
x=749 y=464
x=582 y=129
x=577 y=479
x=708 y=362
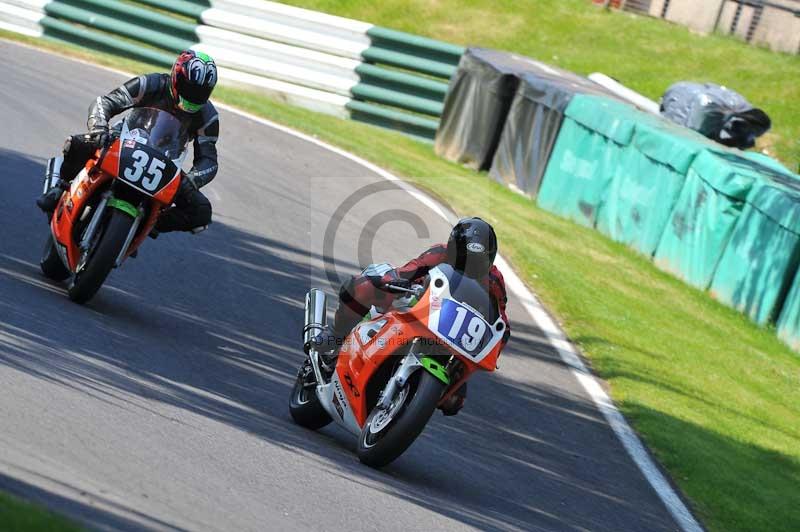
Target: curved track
x=163 y=403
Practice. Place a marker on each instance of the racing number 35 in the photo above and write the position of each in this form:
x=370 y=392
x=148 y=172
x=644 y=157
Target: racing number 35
x=143 y=165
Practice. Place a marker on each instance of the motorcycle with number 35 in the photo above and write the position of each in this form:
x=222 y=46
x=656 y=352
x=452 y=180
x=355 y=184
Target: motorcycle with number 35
x=114 y=202
x=396 y=367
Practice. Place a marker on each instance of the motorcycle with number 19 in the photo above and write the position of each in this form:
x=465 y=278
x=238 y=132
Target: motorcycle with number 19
x=396 y=367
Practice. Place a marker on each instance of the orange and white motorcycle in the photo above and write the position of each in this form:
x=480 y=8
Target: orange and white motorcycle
x=114 y=202
x=395 y=367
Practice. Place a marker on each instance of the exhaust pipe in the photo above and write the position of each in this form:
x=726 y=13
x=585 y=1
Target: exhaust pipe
x=316 y=318
x=52 y=175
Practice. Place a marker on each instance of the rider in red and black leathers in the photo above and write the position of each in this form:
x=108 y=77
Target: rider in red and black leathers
x=183 y=93
x=358 y=294
x=471 y=249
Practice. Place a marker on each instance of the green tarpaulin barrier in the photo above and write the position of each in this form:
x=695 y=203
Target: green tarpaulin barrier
x=761 y=257
x=590 y=144
x=789 y=321
x=769 y=162
x=647 y=182
x=705 y=214
x=717 y=218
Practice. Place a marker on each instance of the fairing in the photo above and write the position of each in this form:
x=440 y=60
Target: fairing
x=148 y=129
x=375 y=343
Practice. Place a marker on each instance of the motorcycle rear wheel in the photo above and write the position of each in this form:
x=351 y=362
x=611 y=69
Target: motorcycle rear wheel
x=381 y=448
x=87 y=282
x=50 y=263
x=305 y=408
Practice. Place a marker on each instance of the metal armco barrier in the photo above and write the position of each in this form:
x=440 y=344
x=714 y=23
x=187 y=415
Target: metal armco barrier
x=330 y=64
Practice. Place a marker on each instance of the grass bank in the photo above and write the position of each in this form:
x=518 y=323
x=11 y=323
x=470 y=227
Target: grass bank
x=716 y=398
x=20 y=516
x=646 y=54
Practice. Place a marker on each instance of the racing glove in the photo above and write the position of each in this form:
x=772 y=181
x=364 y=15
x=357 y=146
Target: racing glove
x=100 y=136
x=393 y=279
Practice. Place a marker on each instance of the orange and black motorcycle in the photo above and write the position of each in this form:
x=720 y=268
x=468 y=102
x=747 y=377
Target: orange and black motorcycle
x=114 y=202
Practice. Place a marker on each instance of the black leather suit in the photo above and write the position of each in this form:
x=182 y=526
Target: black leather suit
x=192 y=209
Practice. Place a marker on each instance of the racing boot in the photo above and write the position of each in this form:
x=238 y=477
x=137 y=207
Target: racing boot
x=455 y=402
x=48 y=201
x=55 y=186
x=63 y=169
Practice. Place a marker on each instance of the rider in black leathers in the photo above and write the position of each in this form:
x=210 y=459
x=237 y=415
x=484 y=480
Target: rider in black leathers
x=183 y=93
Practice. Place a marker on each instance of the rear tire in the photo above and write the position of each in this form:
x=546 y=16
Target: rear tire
x=398 y=436
x=305 y=408
x=50 y=263
x=88 y=281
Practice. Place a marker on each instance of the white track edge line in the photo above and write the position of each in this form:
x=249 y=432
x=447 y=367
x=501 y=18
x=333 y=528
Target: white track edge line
x=556 y=337
x=560 y=342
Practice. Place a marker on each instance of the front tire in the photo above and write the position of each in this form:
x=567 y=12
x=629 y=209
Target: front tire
x=88 y=281
x=50 y=263
x=305 y=408
x=381 y=448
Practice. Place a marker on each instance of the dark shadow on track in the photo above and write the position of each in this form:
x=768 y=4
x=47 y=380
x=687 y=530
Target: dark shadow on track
x=212 y=326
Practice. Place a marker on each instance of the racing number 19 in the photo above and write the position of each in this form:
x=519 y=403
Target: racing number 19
x=153 y=175
x=474 y=333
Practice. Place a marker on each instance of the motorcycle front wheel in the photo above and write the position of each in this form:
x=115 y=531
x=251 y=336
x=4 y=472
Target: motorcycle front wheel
x=88 y=281
x=389 y=432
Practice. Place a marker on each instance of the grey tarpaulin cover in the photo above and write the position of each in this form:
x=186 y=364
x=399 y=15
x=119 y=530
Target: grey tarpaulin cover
x=476 y=105
x=533 y=123
x=717 y=112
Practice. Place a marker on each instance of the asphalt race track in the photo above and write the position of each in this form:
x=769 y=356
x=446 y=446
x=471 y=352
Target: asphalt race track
x=163 y=403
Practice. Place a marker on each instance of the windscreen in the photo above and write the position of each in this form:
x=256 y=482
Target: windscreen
x=158 y=130
x=470 y=291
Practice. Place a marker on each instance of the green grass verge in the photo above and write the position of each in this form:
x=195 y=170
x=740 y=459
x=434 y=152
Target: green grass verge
x=644 y=53
x=716 y=398
x=24 y=517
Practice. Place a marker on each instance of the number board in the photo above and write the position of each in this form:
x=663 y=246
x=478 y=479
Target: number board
x=465 y=329
x=145 y=168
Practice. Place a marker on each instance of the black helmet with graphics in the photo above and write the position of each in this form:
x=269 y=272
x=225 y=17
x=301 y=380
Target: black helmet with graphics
x=193 y=77
x=472 y=247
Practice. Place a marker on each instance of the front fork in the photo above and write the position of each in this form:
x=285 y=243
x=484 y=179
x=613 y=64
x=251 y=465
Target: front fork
x=137 y=221
x=88 y=238
x=88 y=235
x=413 y=361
